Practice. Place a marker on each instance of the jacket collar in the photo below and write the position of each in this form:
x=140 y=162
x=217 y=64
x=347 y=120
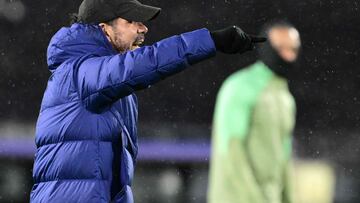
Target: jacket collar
x=76 y=41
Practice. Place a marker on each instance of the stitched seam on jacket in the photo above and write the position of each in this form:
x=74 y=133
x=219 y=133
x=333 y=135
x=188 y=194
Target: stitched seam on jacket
x=73 y=101
x=84 y=140
x=73 y=180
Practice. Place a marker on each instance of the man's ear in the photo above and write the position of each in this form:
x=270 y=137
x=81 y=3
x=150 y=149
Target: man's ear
x=104 y=27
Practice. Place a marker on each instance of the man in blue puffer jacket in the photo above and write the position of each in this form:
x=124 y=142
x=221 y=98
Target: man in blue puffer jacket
x=86 y=131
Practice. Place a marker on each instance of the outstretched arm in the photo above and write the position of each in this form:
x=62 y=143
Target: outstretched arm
x=103 y=80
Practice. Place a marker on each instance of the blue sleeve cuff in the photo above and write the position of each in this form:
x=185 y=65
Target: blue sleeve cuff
x=199 y=44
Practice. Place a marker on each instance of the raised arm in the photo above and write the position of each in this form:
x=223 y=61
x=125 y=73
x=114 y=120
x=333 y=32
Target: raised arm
x=103 y=80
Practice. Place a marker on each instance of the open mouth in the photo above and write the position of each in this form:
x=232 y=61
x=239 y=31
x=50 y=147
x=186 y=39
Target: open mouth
x=139 y=40
x=138 y=43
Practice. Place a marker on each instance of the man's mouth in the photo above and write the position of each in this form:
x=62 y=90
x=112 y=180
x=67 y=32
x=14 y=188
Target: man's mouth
x=139 y=40
x=138 y=43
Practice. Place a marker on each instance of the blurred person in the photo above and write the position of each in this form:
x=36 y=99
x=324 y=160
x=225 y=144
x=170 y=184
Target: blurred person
x=86 y=133
x=253 y=122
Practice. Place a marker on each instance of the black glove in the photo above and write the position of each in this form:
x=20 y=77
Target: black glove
x=232 y=40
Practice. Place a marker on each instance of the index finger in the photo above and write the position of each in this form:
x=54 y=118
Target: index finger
x=255 y=39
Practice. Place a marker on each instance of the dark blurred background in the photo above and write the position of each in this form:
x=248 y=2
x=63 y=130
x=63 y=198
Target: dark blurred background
x=177 y=111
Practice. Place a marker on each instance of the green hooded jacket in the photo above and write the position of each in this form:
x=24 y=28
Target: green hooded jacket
x=251 y=142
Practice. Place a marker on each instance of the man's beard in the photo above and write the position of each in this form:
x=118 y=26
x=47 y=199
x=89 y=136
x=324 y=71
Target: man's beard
x=121 y=46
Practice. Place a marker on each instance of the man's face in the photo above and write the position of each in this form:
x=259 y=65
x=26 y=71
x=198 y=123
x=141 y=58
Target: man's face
x=125 y=35
x=286 y=41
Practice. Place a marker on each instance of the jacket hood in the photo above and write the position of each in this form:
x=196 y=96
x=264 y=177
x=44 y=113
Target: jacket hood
x=77 y=41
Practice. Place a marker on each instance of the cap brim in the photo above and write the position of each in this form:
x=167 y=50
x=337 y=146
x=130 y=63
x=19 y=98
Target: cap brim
x=143 y=13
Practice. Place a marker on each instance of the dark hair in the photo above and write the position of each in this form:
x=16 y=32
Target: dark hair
x=74 y=18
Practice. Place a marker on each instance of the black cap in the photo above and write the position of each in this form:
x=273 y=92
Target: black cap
x=99 y=11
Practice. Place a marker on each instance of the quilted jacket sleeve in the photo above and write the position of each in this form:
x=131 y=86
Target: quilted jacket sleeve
x=103 y=80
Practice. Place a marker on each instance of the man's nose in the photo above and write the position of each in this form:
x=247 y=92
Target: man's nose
x=142 y=28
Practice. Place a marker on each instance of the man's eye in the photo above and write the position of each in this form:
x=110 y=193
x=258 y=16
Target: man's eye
x=129 y=21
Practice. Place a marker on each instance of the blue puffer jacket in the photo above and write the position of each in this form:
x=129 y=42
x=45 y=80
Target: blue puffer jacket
x=86 y=131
